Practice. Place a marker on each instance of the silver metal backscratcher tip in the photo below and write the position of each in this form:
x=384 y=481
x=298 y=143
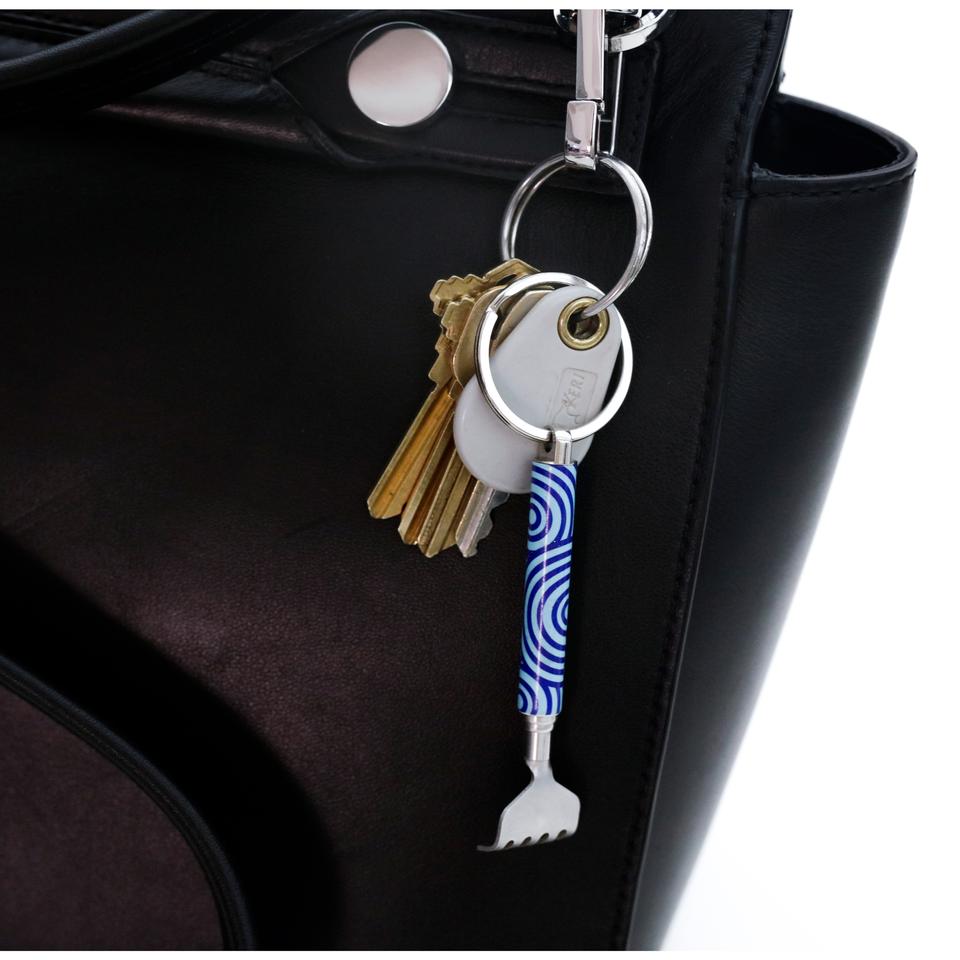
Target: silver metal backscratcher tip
x=544 y=810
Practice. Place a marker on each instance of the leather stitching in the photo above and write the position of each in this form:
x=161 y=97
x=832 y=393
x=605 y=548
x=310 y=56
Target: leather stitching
x=670 y=649
x=802 y=194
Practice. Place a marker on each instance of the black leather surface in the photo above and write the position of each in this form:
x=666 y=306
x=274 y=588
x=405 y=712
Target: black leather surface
x=212 y=343
x=287 y=87
x=107 y=61
x=827 y=200
x=80 y=842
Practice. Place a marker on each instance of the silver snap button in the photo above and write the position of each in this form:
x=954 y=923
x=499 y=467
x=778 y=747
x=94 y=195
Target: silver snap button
x=399 y=74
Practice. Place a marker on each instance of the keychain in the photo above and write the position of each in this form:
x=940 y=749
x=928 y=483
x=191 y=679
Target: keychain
x=439 y=496
x=524 y=361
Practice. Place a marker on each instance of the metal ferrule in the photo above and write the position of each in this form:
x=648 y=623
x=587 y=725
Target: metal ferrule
x=562 y=448
x=538 y=738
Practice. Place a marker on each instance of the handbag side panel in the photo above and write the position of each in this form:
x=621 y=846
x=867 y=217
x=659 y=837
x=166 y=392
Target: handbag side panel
x=827 y=200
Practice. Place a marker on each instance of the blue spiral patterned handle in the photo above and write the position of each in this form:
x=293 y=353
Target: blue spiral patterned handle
x=546 y=595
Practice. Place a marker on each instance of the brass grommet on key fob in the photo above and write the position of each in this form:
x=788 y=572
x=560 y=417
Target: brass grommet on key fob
x=594 y=329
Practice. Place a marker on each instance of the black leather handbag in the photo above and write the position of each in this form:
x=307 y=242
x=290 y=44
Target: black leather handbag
x=237 y=711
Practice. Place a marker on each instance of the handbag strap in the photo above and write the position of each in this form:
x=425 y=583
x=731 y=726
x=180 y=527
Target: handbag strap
x=121 y=59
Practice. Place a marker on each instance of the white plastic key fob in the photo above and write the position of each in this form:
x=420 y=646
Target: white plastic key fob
x=545 y=382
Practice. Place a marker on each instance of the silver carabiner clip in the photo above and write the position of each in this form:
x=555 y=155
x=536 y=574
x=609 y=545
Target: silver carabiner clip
x=582 y=133
x=585 y=112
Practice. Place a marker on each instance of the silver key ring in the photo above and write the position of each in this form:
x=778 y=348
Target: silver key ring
x=641 y=209
x=485 y=371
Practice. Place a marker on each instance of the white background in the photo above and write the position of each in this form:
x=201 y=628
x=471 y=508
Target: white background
x=838 y=828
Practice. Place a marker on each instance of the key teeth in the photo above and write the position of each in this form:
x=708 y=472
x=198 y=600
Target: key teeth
x=452 y=288
x=408 y=470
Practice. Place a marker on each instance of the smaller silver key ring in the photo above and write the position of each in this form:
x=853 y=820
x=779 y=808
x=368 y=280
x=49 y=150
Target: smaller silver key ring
x=485 y=371
x=641 y=210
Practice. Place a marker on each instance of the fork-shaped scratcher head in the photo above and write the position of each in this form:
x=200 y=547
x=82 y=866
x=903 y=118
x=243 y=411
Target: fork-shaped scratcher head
x=545 y=810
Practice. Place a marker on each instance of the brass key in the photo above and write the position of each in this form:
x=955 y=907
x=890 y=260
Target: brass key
x=424 y=482
x=453 y=495
x=474 y=520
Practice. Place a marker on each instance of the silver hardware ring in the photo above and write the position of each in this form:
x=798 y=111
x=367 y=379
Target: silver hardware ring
x=641 y=210
x=485 y=371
